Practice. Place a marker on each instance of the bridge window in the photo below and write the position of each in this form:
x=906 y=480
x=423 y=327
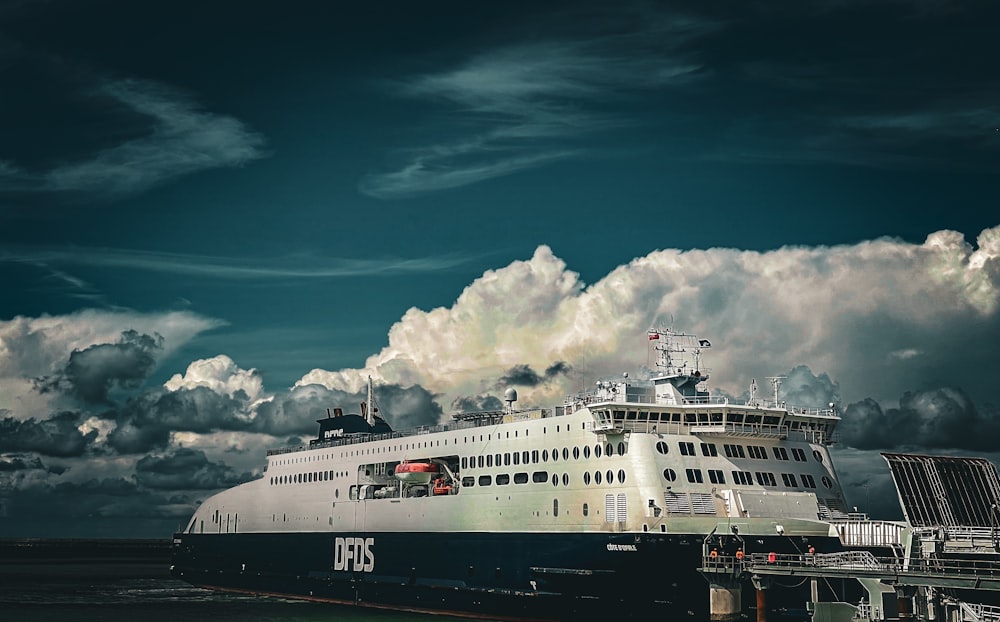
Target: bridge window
x=709 y=449
x=716 y=477
x=757 y=452
x=687 y=449
x=694 y=476
x=798 y=454
x=742 y=477
x=789 y=480
x=808 y=481
x=734 y=451
x=780 y=453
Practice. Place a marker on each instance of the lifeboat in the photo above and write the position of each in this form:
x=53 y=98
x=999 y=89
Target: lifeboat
x=416 y=472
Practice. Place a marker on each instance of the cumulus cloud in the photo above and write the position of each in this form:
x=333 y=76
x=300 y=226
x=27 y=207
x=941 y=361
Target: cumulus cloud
x=92 y=372
x=943 y=418
x=56 y=436
x=842 y=310
x=220 y=374
x=63 y=346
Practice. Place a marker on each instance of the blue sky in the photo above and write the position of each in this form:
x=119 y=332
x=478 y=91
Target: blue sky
x=215 y=220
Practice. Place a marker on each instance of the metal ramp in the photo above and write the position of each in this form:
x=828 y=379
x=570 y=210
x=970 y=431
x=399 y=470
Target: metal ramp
x=944 y=491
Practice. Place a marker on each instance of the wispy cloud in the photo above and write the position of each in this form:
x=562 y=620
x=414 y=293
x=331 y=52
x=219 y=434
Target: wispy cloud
x=527 y=105
x=183 y=139
x=299 y=266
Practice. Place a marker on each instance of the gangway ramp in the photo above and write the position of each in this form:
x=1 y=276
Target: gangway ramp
x=945 y=491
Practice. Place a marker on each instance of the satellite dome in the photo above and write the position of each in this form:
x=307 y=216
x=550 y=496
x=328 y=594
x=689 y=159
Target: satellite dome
x=510 y=395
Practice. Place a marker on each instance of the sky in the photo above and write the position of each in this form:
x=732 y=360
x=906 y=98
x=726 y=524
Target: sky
x=218 y=219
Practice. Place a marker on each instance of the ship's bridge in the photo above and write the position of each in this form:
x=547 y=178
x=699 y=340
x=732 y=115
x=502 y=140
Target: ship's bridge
x=709 y=416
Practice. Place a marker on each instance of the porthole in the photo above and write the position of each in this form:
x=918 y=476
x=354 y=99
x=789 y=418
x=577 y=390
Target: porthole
x=827 y=482
x=669 y=475
x=610 y=449
x=565 y=479
x=611 y=476
x=597 y=478
x=555 y=479
x=662 y=447
x=621 y=476
x=597 y=450
x=621 y=448
x=817 y=455
x=545 y=455
x=586 y=478
x=586 y=452
x=586 y=509
x=576 y=453
x=555 y=455
x=565 y=454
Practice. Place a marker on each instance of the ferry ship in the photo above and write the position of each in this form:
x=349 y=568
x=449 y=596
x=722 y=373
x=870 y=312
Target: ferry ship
x=611 y=499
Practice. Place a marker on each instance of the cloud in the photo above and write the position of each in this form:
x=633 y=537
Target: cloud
x=185 y=469
x=476 y=403
x=92 y=372
x=183 y=139
x=524 y=375
x=842 y=310
x=943 y=418
x=527 y=105
x=301 y=266
x=56 y=436
x=67 y=346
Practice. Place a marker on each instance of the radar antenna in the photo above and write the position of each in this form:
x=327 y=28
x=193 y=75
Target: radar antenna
x=776 y=383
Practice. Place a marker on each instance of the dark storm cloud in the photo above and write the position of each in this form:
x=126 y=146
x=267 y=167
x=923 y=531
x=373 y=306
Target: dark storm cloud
x=476 y=403
x=93 y=372
x=186 y=469
x=942 y=418
x=18 y=463
x=56 y=436
x=524 y=376
x=145 y=422
x=297 y=411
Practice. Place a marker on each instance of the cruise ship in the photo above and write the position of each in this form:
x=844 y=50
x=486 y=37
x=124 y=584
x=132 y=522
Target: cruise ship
x=610 y=500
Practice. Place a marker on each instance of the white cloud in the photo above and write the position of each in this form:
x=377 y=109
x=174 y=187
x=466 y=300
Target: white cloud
x=841 y=310
x=41 y=346
x=522 y=106
x=183 y=139
x=221 y=375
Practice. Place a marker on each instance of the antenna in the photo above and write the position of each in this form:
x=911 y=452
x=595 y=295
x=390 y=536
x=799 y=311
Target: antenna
x=776 y=382
x=371 y=403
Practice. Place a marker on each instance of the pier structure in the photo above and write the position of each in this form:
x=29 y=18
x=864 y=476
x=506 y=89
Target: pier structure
x=941 y=563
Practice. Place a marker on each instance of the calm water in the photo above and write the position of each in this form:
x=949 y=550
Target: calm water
x=83 y=599
x=87 y=581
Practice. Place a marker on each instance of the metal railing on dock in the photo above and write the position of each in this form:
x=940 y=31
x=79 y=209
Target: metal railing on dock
x=953 y=573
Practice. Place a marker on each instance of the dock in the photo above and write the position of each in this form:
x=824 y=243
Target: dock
x=943 y=560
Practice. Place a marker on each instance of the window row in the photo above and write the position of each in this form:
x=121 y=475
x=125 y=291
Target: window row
x=535 y=456
x=542 y=477
x=306 y=478
x=756 y=452
x=745 y=478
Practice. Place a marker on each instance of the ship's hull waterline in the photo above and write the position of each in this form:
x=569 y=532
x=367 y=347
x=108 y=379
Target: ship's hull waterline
x=549 y=576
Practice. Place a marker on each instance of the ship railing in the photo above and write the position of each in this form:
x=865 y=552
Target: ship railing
x=978 y=612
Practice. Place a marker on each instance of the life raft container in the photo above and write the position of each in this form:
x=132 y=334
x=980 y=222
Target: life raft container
x=416 y=472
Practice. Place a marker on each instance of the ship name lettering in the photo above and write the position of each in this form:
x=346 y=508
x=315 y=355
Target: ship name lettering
x=353 y=554
x=622 y=547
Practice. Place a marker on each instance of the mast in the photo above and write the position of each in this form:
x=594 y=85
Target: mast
x=371 y=403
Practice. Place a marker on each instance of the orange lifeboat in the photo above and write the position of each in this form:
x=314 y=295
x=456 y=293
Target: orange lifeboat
x=416 y=472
